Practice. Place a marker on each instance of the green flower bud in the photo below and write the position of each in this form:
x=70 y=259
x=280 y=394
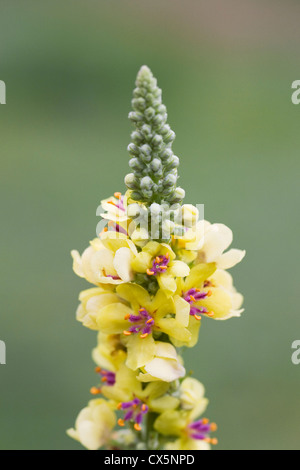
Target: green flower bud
x=131 y=181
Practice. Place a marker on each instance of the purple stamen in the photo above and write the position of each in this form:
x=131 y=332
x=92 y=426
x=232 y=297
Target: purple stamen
x=159 y=265
x=135 y=411
x=195 y=295
x=107 y=376
x=201 y=429
x=141 y=323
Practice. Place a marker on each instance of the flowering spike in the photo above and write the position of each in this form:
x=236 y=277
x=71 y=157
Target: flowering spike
x=154 y=166
x=151 y=289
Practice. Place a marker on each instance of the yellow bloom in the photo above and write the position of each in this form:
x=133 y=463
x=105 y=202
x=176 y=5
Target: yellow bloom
x=191 y=434
x=192 y=394
x=138 y=321
x=165 y=366
x=92 y=300
x=110 y=353
x=208 y=292
x=129 y=395
x=106 y=261
x=158 y=259
x=115 y=208
x=208 y=242
x=94 y=425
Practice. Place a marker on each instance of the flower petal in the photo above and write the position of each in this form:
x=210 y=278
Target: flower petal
x=230 y=259
x=122 y=264
x=111 y=320
x=179 y=269
x=140 y=351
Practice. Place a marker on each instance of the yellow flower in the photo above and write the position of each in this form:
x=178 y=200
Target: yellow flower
x=208 y=292
x=94 y=425
x=140 y=319
x=158 y=259
x=106 y=261
x=165 y=366
x=192 y=394
x=191 y=434
x=115 y=208
x=129 y=395
x=110 y=352
x=92 y=300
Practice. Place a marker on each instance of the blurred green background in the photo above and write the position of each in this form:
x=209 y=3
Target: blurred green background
x=226 y=70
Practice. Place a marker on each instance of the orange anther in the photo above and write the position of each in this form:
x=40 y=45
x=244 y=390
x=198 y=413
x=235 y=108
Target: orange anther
x=214 y=441
x=137 y=427
x=121 y=422
x=158 y=259
x=205 y=421
x=126 y=333
x=104 y=379
x=144 y=407
x=192 y=298
x=150 y=320
x=95 y=391
x=118 y=195
x=163 y=267
x=144 y=335
x=149 y=272
x=213 y=427
x=127 y=316
x=119 y=406
x=97 y=370
x=209 y=293
x=197 y=317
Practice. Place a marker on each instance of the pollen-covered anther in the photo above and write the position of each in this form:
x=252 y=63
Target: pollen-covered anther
x=150 y=273
x=134 y=412
x=118 y=195
x=141 y=323
x=121 y=422
x=95 y=391
x=127 y=316
x=127 y=333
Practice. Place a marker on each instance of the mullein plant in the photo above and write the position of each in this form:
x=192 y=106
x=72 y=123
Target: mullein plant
x=157 y=273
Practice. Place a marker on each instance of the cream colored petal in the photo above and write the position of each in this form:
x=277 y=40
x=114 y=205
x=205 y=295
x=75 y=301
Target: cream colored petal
x=167 y=283
x=159 y=405
x=179 y=269
x=111 y=320
x=222 y=278
x=140 y=351
x=122 y=264
x=174 y=329
x=165 y=350
x=77 y=263
x=216 y=240
x=134 y=294
x=191 y=392
x=167 y=370
x=182 y=311
x=230 y=259
x=199 y=273
x=142 y=262
x=219 y=303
